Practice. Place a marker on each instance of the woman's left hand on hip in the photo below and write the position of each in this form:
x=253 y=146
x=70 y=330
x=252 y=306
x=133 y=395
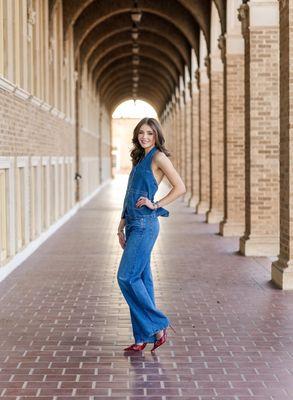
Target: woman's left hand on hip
x=144 y=201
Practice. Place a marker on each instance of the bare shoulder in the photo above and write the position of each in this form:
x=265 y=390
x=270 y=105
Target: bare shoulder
x=164 y=164
x=160 y=158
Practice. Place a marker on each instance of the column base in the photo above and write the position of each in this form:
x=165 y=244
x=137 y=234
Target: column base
x=202 y=207
x=282 y=274
x=193 y=201
x=213 y=217
x=186 y=197
x=263 y=246
x=231 y=229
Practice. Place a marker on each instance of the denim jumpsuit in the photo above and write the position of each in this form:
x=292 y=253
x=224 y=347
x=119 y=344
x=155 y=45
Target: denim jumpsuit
x=141 y=231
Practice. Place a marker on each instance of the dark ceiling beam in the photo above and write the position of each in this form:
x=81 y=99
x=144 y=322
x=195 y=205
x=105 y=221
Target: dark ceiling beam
x=162 y=52
x=149 y=23
x=200 y=10
x=122 y=84
x=121 y=52
x=124 y=63
x=72 y=9
x=170 y=50
x=100 y=10
x=126 y=89
x=116 y=68
x=221 y=6
x=128 y=75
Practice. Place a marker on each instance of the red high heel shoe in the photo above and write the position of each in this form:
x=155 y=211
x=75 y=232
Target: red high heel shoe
x=135 y=347
x=162 y=339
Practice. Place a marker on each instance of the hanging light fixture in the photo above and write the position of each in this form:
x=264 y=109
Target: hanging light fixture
x=135 y=48
x=135 y=60
x=136 y=13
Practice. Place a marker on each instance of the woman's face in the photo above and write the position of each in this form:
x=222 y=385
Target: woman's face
x=146 y=136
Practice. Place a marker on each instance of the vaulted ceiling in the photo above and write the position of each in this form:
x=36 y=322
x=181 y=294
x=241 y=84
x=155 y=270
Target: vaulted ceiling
x=137 y=48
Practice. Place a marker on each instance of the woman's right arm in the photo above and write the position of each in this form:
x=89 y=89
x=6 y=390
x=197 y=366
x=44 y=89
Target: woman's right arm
x=121 y=224
x=120 y=233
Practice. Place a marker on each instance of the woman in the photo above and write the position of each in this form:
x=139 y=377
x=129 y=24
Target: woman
x=139 y=217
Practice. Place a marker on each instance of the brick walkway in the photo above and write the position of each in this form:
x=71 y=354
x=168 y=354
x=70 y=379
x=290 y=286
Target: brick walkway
x=64 y=322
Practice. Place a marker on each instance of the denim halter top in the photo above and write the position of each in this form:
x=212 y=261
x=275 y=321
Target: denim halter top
x=141 y=182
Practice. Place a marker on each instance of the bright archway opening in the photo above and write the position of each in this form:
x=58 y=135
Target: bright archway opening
x=124 y=119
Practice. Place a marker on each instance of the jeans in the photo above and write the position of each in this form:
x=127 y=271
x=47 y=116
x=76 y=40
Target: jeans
x=135 y=278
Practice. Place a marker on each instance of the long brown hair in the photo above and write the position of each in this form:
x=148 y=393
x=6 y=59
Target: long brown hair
x=137 y=151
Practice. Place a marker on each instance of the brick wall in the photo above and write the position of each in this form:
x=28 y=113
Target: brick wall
x=204 y=152
x=28 y=130
x=217 y=147
x=234 y=210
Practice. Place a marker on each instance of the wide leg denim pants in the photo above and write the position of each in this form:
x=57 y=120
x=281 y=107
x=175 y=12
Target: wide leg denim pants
x=135 y=278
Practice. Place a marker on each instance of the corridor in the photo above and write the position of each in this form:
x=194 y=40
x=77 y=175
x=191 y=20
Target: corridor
x=64 y=323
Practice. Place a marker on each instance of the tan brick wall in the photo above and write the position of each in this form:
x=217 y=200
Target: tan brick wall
x=234 y=211
x=286 y=135
x=27 y=130
x=216 y=212
x=182 y=133
x=282 y=269
x=262 y=141
x=204 y=149
x=89 y=145
x=188 y=164
x=195 y=149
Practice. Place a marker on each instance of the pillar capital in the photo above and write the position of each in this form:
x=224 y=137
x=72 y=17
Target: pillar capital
x=207 y=63
x=243 y=16
x=196 y=77
x=222 y=47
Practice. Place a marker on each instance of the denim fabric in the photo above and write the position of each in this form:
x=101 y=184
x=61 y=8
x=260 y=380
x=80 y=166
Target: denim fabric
x=141 y=182
x=135 y=278
x=141 y=231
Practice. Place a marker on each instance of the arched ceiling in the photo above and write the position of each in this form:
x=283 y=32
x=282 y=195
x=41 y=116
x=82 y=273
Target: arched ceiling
x=105 y=44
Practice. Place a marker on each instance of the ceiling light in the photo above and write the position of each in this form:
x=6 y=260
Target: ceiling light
x=136 y=15
x=134 y=35
x=135 y=60
x=135 y=48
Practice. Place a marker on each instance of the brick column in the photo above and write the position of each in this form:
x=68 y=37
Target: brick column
x=188 y=148
x=173 y=132
x=204 y=130
x=216 y=211
x=282 y=269
x=232 y=44
x=177 y=130
x=260 y=23
x=182 y=128
x=195 y=139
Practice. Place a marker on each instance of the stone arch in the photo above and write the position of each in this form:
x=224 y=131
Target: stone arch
x=123 y=52
x=123 y=92
x=149 y=23
x=125 y=98
x=118 y=71
x=148 y=65
x=125 y=84
x=166 y=50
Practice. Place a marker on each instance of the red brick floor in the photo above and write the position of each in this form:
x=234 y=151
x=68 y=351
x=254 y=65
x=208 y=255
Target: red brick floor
x=64 y=322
